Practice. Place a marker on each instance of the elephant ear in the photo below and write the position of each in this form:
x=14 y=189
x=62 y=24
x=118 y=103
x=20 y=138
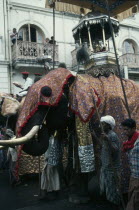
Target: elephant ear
x=39 y=145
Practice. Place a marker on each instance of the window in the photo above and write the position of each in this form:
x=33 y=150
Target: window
x=129 y=47
x=31 y=33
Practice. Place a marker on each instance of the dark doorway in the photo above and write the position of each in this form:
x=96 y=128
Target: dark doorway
x=33 y=34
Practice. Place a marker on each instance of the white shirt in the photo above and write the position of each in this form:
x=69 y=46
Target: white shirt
x=26 y=85
x=14 y=36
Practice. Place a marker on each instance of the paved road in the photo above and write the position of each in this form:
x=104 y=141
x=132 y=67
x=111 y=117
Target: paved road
x=25 y=197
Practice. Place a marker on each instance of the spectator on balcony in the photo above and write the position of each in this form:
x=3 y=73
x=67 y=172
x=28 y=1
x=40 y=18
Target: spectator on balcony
x=25 y=87
x=52 y=41
x=14 y=36
x=47 y=40
x=82 y=12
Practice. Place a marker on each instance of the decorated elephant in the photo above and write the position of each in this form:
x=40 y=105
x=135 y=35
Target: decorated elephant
x=60 y=100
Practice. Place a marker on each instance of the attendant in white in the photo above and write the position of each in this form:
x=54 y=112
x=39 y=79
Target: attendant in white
x=27 y=84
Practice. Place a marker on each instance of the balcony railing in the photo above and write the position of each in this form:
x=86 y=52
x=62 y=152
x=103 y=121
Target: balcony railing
x=24 y=50
x=130 y=60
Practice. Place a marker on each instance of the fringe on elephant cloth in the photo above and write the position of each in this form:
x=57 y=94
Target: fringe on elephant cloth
x=50 y=179
x=108 y=186
x=85 y=146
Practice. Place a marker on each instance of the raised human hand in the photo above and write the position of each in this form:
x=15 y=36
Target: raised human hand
x=17 y=84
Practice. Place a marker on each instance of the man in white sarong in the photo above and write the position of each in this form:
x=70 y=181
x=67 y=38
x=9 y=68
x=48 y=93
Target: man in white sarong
x=50 y=179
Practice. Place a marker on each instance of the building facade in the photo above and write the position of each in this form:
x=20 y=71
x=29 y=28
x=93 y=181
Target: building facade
x=128 y=46
x=34 y=23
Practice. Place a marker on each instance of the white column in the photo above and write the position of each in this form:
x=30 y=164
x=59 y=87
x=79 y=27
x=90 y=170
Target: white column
x=104 y=38
x=64 y=38
x=126 y=72
x=29 y=32
x=90 y=40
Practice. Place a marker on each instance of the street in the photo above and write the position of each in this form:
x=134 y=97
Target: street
x=25 y=197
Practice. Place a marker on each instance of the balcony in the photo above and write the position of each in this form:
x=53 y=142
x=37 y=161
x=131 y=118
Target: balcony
x=27 y=54
x=130 y=60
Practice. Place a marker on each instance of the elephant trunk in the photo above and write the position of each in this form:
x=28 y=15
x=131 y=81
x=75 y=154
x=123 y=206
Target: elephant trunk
x=22 y=140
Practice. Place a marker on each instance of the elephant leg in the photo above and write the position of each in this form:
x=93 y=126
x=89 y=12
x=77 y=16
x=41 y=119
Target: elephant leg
x=83 y=194
x=84 y=184
x=79 y=192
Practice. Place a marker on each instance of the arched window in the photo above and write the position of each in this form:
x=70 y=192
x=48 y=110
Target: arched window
x=31 y=33
x=129 y=46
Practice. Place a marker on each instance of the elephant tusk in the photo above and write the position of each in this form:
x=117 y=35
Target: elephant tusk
x=22 y=140
x=2 y=147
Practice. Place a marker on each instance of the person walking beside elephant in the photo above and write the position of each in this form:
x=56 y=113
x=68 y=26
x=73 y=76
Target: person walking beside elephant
x=131 y=147
x=12 y=158
x=110 y=161
x=50 y=178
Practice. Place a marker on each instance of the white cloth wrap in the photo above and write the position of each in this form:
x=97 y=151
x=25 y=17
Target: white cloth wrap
x=109 y=120
x=26 y=85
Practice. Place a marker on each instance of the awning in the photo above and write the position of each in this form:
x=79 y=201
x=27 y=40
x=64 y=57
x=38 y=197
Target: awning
x=116 y=6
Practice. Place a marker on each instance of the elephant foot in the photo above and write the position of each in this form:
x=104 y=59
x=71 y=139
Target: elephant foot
x=79 y=199
x=49 y=196
x=42 y=195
